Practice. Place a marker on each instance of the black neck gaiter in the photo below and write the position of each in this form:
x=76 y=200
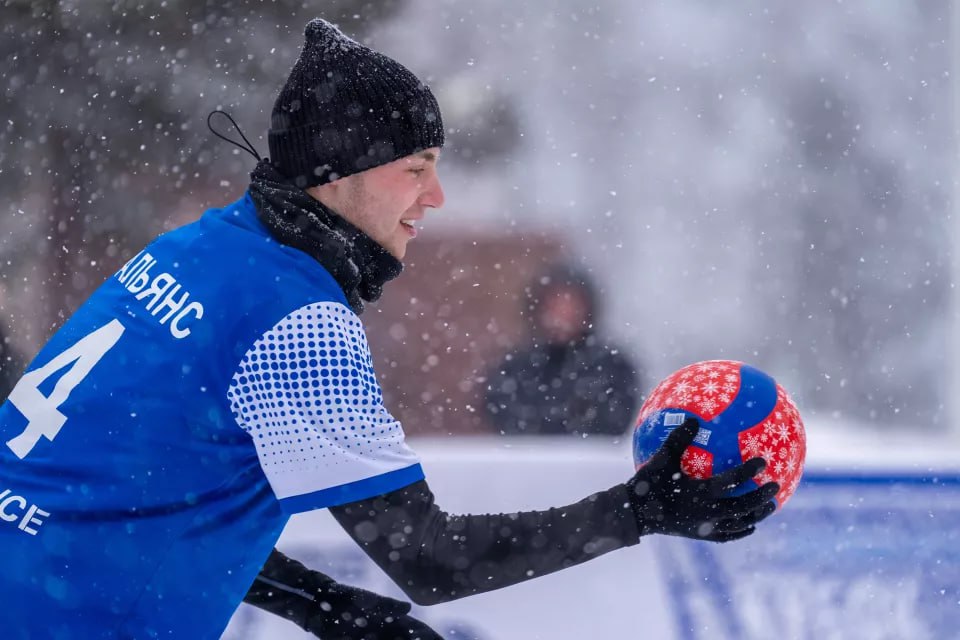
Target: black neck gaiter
x=294 y=218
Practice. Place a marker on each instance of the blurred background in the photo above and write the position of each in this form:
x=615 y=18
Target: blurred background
x=766 y=182
x=778 y=176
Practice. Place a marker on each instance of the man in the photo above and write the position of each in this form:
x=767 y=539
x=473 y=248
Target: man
x=567 y=379
x=221 y=381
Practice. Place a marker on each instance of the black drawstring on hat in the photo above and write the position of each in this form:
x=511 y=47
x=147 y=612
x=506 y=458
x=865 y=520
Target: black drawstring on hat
x=249 y=148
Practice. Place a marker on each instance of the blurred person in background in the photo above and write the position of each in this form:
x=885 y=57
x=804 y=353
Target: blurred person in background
x=221 y=381
x=567 y=379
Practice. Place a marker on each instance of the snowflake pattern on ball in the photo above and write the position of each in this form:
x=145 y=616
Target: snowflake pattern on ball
x=307 y=394
x=706 y=389
x=697 y=462
x=781 y=441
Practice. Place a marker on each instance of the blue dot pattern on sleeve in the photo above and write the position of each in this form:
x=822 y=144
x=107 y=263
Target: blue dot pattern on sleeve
x=307 y=394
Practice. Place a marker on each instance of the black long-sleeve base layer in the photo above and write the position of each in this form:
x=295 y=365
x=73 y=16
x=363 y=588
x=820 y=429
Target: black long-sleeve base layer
x=437 y=557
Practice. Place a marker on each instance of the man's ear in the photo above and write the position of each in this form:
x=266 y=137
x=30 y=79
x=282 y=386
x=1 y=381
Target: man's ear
x=316 y=192
x=327 y=194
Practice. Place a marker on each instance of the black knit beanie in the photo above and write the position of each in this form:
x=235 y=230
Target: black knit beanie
x=346 y=108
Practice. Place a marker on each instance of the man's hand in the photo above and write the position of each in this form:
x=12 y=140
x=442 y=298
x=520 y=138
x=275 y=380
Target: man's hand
x=342 y=612
x=329 y=609
x=665 y=500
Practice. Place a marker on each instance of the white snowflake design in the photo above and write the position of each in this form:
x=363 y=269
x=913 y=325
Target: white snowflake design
x=705 y=388
x=697 y=464
x=751 y=445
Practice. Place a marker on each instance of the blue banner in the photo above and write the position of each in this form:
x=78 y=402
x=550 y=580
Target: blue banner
x=851 y=556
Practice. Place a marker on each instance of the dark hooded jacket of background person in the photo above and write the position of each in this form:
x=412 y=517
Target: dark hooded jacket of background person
x=583 y=385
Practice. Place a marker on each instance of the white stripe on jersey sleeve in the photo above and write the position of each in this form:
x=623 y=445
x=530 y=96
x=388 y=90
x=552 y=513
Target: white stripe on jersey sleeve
x=307 y=394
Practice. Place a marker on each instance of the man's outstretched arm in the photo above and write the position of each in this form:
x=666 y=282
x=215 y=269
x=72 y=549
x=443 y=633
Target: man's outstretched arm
x=436 y=557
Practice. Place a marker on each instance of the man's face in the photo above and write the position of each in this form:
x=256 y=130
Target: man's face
x=387 y=202
x=563 y=314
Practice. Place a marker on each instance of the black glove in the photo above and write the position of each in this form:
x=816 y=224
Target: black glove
x=403 y=628
x=665 y=500
x=329 y=609
x=342 y=612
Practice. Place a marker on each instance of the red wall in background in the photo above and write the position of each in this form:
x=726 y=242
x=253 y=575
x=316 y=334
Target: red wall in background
x=453 y=312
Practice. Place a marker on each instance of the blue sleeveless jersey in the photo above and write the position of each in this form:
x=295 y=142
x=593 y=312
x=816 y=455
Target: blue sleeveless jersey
x=156 y=446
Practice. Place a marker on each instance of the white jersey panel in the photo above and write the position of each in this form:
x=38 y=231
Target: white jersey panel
x=307 y=394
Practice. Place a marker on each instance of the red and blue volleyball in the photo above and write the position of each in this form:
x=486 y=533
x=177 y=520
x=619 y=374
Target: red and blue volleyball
x=743 y=413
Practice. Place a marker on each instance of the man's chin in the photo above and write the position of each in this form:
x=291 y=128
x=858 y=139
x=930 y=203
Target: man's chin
x=397 y=250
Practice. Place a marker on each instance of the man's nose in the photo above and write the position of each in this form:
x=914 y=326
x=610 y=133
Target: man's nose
x=433 y=196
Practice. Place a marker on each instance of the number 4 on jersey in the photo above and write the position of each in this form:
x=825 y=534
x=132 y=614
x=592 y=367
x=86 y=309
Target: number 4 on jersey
x=43 y=412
